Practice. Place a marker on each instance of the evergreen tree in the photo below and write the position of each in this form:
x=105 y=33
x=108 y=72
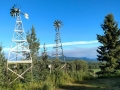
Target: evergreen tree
x=34 y=43
x=44 y=54
x=2 y=67
x=109 y=51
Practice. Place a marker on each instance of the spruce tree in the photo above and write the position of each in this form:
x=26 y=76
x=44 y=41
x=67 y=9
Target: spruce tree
x=44 y=54
x=2 y=68
x=34 y=43
x=109 y=51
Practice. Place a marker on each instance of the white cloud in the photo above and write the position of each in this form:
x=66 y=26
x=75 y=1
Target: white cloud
x=89 y=52
x=79 y=42
x=66 y=44
x=73 y=43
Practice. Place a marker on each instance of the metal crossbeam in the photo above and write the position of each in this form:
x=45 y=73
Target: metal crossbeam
x=20 y=62
x=63 y=66
x=20 y=76
x=15 y=73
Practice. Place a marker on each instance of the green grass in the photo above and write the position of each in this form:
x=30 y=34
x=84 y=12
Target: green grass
x=95 y=84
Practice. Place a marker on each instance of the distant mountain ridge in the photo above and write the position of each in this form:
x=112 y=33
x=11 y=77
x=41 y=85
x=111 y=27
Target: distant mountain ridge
x=67 y=58
x=80 y=58
x=76 y=58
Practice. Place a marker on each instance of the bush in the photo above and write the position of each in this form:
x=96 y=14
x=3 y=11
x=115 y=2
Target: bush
x=50 y=81
x=117 y=73
x=47 y=86
x=58 y=78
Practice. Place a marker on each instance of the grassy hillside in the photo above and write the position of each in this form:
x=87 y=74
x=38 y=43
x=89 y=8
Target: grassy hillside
x=95 y=84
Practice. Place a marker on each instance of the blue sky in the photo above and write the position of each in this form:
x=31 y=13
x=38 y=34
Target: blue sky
x=81 y=22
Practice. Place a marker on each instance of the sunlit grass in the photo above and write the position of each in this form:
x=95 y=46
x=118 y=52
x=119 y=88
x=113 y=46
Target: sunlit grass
x=95 y=84
x=96 y=70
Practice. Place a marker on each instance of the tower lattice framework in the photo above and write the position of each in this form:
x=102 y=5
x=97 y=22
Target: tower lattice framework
x=57 y=48
x=19 y=53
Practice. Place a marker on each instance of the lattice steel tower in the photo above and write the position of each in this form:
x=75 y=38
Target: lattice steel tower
x=57 y=48
x=19 y=53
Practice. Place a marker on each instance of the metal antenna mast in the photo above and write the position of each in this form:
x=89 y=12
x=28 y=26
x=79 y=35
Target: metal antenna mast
x=19 y=53
x=57 y=48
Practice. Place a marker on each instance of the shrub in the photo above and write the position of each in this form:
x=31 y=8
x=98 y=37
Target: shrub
x=47 y=86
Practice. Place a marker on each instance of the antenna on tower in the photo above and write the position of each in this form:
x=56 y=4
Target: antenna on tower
x=19 y=53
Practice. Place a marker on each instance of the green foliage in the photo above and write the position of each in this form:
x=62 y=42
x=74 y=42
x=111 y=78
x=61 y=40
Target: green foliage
x=34 y=46
x=17 y=87
x=93 y=65
x=109 y=51
x=44 y=54
x=44 y=80
x=59 y=78
x=47 y=86
x=2 y=67
x=33 y=42
x=77 y=65
x=76 y=70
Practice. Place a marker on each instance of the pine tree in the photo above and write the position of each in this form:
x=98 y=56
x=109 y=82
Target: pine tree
x=109 y=51
x=34 y=43
x=2 y=67
x=44 y=54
